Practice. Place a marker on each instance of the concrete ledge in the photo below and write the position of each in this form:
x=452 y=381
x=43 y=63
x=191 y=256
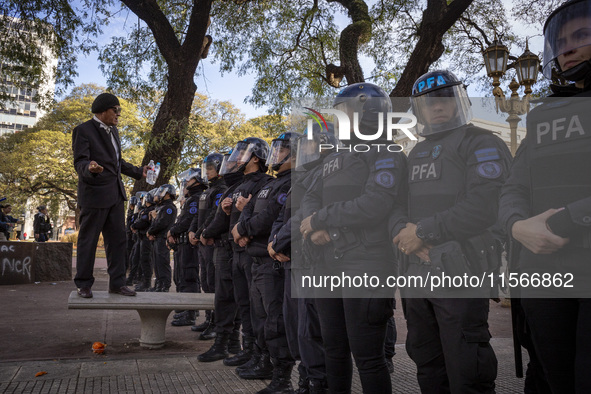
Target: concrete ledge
x=153 y=309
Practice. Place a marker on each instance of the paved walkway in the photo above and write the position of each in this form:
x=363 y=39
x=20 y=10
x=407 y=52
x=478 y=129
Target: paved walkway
x=39 y=334
x=184 y=374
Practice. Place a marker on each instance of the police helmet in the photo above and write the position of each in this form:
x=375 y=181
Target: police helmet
x=162 y=190
x=243 y=152
x=368 y=101
x=213 y=161
x=140 y=194
x=567 y=28
x=148 y=198
x=313 y=145
x=440 y=102
x=133 y=200
x=187 y=175
x=282 y=148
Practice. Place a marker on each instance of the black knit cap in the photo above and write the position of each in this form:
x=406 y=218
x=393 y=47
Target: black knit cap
x=103 y=102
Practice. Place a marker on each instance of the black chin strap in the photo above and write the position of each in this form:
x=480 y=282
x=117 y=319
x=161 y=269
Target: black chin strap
x=581 y=71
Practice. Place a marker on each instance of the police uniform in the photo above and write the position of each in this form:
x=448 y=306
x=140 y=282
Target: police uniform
x=188 y=275
x=266 y=293
x=167 y=212
x=227 y=321
x=302 y=326
x=550 y=170
x=454 y=180
x=145 y=246
x=135 y=272
x=454 y=183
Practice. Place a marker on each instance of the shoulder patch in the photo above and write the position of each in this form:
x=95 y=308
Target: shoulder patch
x=487 y=154
x=217 y=198
x=281 y=198
x=436 y=151
x=385 y=163
x=193 y=210
x=385 y=179
x=489 y=169
x=169 y=211
x=421 y=155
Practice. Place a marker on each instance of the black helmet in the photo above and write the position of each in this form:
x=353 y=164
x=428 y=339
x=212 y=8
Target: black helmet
x=369 y=101
x=278 y=155
x=133 y=200
x=440 y=102
x=191 y=173
x=162 y=190
x=243 y=152
x=565 y=30
x=213 y=161
x=148 y=198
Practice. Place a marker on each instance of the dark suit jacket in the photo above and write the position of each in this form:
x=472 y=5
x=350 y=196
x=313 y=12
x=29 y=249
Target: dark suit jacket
x=91 y=142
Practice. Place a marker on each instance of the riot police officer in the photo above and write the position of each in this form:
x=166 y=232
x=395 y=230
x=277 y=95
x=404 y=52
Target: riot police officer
x=302 y=326
x=165 y=217
x=252 y=231
x=248 y=157
x=133 y=200
x=41 y=224
x=348 y=222
x=455 y=176
x=133 y=240
x=227 y=323
x=188 y=259
x=546 y=203
x=208 y=203
x=140 y=227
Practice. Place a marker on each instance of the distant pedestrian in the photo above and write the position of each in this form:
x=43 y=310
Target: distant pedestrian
x=41 y=224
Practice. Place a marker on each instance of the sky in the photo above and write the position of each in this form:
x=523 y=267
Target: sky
x=231 y=87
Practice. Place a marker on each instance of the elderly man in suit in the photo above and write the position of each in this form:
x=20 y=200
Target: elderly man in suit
x=101 y=195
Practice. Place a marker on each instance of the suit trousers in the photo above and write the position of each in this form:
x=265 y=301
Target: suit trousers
x=111 y=222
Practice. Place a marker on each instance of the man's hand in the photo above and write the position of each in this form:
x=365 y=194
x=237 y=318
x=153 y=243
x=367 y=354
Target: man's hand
x=95 y=168
x=282 y=258
x=133 y=230
x=153 y=214
x=171 y=240
x=271 y=251
x=227 y=205
x=206 y=241
x=306 y=226
x=320 y=237
x=407 y=240
x=243 y=241
x=193 y=240
x=235 y=234
x=534 y=234
x=241 y=202
x=423 y=253
x=151 y=237
x=144 y=171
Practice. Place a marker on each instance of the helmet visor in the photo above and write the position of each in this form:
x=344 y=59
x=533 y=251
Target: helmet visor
x=280 y=151
x=240 y=155
x=568 y=29
x=308 y=151
x=211 y=170
x=441 y=110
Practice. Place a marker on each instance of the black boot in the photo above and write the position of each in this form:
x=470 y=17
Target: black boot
x=187 y=319
x=317 y=386
x=281 y=381
x=157 y=286
x=242 y=356
x=178 y=314
x=263 y=370
x=234 y=342
x=201 y=327
x=209 y=333
x=218 y=351
x=144 y=286
x=303 y=386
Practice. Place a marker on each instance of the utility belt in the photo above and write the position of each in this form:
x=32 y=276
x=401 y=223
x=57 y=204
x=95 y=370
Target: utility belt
x=475 y=256
x=277 y=265
x=183 y=238
x=345 y=239
x=222 y=243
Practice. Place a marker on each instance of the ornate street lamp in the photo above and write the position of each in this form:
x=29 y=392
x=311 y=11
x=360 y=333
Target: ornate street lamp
x=526 y=68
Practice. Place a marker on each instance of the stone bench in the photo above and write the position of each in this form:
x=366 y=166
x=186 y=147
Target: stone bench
x=153 y=309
